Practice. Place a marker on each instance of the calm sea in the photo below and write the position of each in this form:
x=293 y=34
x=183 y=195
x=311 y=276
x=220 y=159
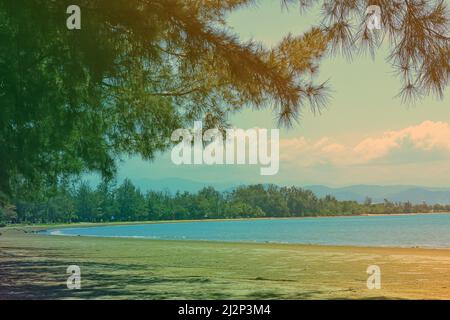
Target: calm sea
x=427 y=230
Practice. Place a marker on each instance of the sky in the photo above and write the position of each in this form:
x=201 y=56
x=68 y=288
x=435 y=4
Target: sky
x=364 y=136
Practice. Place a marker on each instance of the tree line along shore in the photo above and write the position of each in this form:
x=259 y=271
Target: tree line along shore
x=111 y=203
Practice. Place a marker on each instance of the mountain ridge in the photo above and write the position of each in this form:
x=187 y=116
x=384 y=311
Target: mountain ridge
x=395 y=193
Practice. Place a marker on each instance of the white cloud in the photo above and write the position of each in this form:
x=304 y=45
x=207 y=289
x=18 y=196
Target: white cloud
x=424 y=142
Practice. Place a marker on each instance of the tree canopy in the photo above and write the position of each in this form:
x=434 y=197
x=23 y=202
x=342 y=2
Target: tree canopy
x=108 y=202
x=74 y=101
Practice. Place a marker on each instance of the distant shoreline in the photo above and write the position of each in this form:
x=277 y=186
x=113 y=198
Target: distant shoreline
x=43 y=227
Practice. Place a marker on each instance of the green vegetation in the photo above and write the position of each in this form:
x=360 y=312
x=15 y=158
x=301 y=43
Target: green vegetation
x=135 y=72
x=34 y=266
x=128 y=203
x=76 y=101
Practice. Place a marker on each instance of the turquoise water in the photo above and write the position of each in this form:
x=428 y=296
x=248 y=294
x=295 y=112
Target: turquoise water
x=430 y=230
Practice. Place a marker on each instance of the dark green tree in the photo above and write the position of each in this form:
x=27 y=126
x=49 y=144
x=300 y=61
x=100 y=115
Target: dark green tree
x=130 y=202
x=75 y=101
x=85 y=203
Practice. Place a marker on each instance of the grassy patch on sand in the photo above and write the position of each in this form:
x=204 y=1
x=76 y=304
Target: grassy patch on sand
x=34 y=266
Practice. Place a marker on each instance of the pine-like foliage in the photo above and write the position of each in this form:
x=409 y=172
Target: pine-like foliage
x=73 y=101
x=416 y=30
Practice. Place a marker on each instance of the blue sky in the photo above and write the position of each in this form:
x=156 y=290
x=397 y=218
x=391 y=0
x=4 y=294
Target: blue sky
x=365 y=136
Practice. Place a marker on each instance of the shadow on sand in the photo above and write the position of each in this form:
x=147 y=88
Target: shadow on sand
x=30 y=273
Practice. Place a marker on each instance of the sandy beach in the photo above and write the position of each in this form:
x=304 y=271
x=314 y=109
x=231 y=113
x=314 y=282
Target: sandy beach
x=34 y=266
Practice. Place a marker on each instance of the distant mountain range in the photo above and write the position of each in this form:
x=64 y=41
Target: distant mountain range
x=414 y=194
x=396 y=193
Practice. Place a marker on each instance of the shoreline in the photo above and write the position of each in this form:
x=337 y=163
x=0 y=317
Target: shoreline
x=40 y=231
x=43 y=227
x=324 y=245
x=38 y=235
